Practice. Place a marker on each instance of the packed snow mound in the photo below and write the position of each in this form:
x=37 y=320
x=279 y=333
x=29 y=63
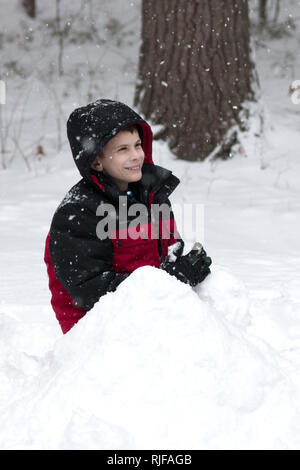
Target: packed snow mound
x=158 y=365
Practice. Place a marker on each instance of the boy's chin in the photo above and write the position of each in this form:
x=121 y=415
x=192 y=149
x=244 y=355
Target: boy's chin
x=135 y=177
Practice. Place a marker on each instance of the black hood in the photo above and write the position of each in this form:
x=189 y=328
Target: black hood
x=90 y=127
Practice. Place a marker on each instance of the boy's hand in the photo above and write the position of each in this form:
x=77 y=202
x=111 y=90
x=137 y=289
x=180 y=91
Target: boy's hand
x=191 y=268
x=174 y=251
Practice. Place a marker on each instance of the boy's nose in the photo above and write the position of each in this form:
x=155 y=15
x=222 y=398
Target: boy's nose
x=136 y=154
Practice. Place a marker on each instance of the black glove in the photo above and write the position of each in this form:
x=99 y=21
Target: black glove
x=191 y=268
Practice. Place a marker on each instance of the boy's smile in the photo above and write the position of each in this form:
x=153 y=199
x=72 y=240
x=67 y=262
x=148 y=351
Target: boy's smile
x=122 y=158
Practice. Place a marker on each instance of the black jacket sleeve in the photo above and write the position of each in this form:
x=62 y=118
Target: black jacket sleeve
x=82 y=262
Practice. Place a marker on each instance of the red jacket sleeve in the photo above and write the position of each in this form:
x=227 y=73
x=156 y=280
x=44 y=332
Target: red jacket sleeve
x=67 y=313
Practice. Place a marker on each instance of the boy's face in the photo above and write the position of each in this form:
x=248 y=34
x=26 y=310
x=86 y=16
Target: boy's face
x=122 y=159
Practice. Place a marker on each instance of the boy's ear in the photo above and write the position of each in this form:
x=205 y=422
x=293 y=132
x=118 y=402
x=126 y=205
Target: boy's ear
x=97 y=165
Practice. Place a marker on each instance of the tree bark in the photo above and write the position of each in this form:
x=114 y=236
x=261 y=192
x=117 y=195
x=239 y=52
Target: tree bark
x=262 y=13
x=195 y=72
x=29 y=6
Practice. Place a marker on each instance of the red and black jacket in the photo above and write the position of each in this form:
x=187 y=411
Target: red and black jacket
x=81 y=266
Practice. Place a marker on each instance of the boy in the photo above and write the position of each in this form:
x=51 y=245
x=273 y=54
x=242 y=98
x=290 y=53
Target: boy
x=112 y=148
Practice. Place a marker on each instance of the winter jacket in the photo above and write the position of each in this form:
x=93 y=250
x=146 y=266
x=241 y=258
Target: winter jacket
x=82 y=264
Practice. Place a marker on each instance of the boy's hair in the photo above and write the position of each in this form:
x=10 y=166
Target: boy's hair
x=131 y=128
x=134 y=127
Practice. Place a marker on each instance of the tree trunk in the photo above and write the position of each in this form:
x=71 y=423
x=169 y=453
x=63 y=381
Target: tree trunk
x=60 y=35
x=195 y=72
x=29 y=6
x=262 y=13
x=277 y=10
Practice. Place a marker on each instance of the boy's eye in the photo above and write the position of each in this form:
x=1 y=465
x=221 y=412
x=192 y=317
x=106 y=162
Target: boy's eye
x=138 y=144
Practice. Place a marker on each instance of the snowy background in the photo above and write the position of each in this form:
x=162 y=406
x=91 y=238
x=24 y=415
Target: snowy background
x=156 y=364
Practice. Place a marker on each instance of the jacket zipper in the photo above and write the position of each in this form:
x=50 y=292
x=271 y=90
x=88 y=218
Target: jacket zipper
x=159 y=245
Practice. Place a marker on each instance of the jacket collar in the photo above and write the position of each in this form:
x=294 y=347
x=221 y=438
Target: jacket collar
x=154 y=179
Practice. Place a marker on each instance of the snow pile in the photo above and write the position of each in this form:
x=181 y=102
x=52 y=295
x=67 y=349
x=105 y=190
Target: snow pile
x=154 y=365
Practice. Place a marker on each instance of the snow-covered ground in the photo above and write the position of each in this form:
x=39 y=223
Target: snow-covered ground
x=158 y=364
